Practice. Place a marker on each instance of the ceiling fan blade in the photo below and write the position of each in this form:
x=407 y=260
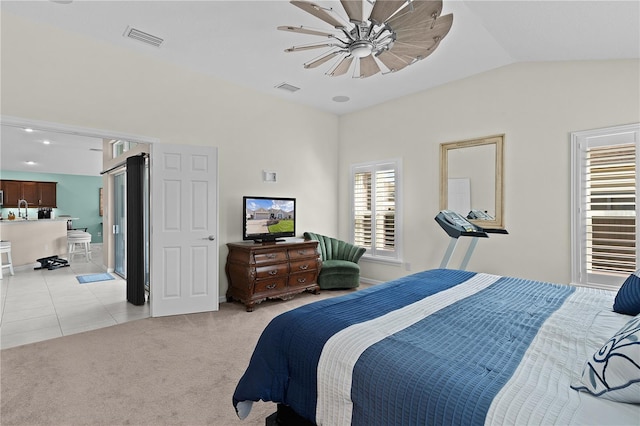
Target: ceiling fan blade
x=318 y=12
x=436 y=30
x=383 y=9
x=342 y=67
x=413 y=53
x=368 y=67
x=353 y=9
x=303 y=30
x=423 y=11
x=392 y=62
x=322 y=60
x=313 y=46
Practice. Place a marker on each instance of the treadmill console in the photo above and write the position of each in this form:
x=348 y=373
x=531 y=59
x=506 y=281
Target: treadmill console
x=456 y=225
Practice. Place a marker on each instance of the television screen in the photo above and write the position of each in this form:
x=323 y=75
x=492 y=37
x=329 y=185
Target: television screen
x=269 y=218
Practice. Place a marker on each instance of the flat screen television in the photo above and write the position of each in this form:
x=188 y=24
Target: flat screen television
x=268 y=219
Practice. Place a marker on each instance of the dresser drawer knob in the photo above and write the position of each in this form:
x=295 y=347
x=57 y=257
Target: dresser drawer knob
x=302 y=280
x=273 y=272
x=271 y=286
x=304 y=267
x=301 y=252
x=271 y=255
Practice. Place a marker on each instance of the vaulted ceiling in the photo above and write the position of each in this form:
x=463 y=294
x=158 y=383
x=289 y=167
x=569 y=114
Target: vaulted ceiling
x=237 y=41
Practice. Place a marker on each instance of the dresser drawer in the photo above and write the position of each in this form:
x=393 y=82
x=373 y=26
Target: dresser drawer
x=270 y=257
x=304 y=265
x=302 y=252
x=263 y=286
x=272 y=271
x=303 y=279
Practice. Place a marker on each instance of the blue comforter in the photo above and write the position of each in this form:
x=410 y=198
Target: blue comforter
x=431 y=348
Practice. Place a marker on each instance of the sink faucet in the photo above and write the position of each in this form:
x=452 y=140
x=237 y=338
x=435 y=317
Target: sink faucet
x=26 y=207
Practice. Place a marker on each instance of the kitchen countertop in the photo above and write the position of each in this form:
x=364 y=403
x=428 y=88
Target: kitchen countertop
x=55 y=219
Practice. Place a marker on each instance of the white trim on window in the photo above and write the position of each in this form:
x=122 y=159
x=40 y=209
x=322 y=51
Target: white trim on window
x=604 y=182
x=376 y=216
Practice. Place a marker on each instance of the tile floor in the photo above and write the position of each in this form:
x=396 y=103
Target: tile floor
x=41 y=304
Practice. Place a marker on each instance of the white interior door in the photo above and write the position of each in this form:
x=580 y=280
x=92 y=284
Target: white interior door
x=184 y=219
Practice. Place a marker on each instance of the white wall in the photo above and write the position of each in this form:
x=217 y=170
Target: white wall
x=536 y=106
x=56 y=76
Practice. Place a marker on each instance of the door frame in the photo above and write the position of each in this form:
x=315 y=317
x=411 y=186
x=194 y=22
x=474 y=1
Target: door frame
x=13 y=121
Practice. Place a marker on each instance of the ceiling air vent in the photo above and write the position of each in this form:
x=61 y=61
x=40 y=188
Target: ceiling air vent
x=288 y=87
x=143 y=37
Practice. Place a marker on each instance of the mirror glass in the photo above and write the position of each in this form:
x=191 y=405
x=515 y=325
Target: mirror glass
x=471 y=181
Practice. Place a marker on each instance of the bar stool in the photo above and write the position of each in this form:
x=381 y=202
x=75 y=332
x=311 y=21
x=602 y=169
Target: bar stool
x=5 y=247
x=79 y=243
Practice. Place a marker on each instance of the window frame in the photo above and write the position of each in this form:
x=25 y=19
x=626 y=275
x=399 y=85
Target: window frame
x=373 y=254
x=580 y=141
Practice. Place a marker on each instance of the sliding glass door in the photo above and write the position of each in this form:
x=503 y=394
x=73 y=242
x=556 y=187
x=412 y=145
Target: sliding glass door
x=120 y=224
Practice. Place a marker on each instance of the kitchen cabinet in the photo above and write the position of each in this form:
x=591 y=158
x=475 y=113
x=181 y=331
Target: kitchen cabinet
x=12 y=191
x=48 y=195
x=37 y=194
x=31 y=193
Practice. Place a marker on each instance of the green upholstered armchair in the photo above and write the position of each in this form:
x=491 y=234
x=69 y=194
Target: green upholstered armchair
x=339 y=262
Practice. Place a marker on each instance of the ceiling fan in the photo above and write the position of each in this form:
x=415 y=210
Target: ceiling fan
x=397 y=34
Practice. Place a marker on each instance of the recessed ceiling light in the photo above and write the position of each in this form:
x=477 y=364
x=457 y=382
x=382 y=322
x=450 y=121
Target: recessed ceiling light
x=340 y=98
x=30 y=163
x=46 y=142
x=28 y=130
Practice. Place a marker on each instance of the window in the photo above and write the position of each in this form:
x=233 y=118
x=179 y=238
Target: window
x=119 y=147
x=376 y=201
x=604 y=237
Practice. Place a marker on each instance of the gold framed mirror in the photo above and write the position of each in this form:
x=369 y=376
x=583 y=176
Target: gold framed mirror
x=471 y=179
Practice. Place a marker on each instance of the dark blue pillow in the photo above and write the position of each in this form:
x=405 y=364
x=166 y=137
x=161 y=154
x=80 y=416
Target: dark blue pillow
x=628 y=297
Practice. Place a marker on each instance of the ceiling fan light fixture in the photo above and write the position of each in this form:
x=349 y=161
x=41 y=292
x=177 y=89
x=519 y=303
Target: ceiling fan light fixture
x=361 y=48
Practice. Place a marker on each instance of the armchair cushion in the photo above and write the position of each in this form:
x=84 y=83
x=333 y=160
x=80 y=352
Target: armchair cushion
x=340 y=267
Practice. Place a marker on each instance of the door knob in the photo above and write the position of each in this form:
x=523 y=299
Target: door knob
x=210 y=238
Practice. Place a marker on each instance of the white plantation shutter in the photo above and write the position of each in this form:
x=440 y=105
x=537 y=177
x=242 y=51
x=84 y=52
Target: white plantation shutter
x=385 y=208
x=375 y=208
x=605 y=240
x=362 y=209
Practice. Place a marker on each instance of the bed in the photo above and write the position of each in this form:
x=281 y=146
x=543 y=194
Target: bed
x=451 y=347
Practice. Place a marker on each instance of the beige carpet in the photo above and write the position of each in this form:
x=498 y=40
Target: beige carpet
x=178 y=370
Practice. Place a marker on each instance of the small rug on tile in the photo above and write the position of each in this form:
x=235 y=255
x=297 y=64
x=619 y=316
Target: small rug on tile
x=92 y=278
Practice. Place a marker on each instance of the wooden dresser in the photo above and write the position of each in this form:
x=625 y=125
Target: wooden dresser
x=257 y=272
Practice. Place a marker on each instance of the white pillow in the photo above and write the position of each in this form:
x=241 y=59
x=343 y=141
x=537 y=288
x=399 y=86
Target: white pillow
x=613 y=371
